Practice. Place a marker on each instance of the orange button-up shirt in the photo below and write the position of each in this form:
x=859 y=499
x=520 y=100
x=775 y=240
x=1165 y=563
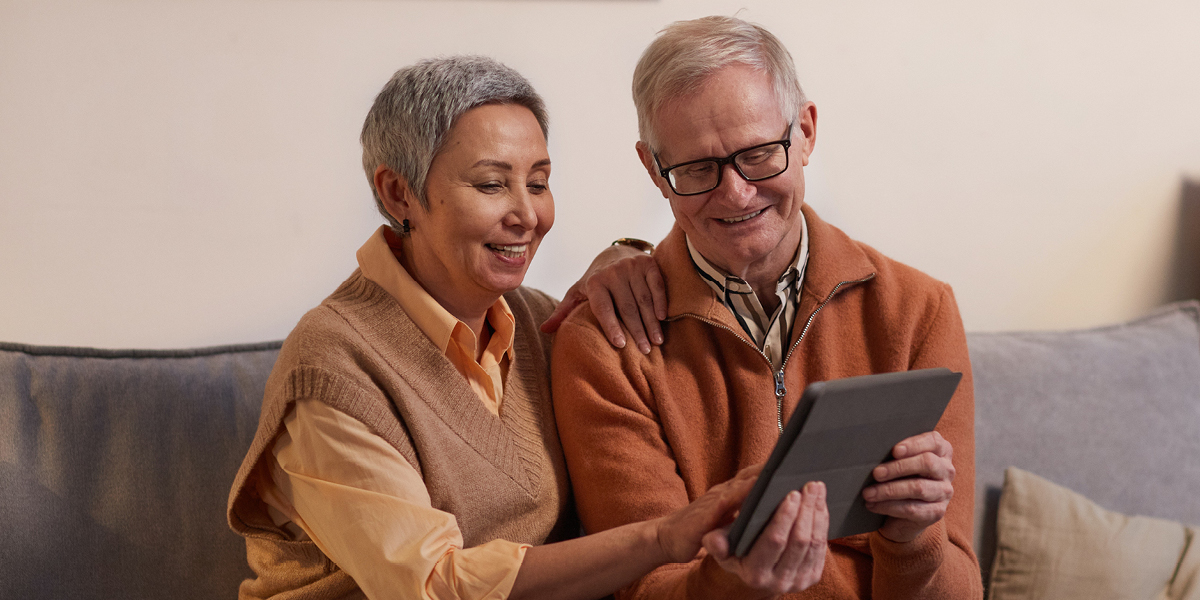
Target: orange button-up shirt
x=346 y=489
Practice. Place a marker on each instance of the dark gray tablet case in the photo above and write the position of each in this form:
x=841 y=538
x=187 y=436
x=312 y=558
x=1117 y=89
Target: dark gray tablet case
x=840 y=431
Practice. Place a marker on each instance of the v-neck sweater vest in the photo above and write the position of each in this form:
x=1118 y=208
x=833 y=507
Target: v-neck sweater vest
x=359 y=352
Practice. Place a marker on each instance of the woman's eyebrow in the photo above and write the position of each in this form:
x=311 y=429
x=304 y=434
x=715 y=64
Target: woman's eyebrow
x=487 y=162
x=499 y=164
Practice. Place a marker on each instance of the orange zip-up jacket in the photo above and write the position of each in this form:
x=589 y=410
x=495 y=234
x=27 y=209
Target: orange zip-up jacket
x=646 y=434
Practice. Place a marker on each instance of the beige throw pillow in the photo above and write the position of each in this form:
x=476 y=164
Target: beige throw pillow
x=1054 y=544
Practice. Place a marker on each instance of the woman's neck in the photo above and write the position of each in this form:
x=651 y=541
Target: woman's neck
x=472 y=312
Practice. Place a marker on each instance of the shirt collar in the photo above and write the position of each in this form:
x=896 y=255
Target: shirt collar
x=721 y=282
x=379 y=260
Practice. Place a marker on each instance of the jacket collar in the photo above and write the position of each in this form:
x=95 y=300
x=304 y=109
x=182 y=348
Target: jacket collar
x=834 y=259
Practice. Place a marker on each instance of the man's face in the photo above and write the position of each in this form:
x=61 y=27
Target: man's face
x=749 y=229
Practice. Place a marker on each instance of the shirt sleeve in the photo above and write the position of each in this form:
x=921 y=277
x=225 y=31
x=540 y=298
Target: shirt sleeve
x=368 y=510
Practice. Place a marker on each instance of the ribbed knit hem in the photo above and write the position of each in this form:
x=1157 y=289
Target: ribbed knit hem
x=922 y=555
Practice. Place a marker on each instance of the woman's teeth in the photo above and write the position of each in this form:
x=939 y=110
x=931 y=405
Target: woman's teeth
x=509 y=251
x=744 y=217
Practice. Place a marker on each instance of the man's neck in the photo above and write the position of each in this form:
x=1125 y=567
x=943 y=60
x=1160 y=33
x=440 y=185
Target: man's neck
x=763 y=277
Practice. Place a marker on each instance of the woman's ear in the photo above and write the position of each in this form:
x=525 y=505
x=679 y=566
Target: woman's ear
x=393 y=191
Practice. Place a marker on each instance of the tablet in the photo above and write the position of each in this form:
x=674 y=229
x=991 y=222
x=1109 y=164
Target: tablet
x=840 y=431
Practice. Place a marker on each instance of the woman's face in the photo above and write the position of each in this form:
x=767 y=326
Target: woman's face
x=489 y=206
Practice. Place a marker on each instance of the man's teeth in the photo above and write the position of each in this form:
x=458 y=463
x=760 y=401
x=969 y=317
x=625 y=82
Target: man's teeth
x=510 y=251
x=744 y=217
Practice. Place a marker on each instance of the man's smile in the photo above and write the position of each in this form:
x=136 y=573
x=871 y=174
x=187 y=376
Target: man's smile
x=744 y=217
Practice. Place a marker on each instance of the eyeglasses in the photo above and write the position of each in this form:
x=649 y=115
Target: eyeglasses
x=755 y=163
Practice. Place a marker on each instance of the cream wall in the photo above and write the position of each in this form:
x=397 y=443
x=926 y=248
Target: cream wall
x=177 y=173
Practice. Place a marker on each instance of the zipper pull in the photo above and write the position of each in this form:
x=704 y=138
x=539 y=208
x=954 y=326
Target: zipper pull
x=780 y=389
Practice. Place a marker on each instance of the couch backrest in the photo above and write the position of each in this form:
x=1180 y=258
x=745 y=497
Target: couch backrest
x=115 y=467
x=1112 y=413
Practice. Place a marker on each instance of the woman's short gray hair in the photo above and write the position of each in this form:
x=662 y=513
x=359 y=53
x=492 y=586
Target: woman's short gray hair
x=686 y=53
x=411 y=116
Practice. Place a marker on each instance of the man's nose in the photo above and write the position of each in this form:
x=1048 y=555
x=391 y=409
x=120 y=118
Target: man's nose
x=734 y=187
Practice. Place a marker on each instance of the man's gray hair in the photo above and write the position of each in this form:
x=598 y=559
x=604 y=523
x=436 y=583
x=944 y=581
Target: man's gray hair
x=408 y=123
x=686 y=53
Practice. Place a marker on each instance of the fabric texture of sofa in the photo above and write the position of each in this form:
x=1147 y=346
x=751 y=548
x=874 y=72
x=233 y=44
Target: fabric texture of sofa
x=115 y=466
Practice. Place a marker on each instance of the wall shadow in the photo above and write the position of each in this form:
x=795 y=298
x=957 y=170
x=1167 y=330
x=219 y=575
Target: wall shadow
x=1185 y=261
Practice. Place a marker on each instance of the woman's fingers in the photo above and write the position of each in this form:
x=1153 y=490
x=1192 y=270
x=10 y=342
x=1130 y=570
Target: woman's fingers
x=682 y=533
x=572 y=299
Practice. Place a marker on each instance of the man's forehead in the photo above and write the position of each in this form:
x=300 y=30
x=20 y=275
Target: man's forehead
x=735 y=107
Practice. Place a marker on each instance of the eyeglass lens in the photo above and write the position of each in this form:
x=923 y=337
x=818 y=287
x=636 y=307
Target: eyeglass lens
x=753 y=164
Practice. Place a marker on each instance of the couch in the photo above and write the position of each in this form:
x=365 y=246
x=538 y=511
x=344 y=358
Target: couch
x=115 y=465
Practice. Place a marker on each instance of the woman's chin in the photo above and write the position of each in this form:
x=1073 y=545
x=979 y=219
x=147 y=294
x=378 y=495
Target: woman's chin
x=502 y=283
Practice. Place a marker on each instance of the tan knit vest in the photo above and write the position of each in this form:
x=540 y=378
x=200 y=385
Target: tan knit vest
x=501 y=477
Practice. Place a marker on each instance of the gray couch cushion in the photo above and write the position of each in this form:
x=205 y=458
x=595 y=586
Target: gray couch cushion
x=115 y=467
x=1112 y=413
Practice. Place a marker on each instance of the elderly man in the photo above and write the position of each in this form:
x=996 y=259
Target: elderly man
x=763 y=297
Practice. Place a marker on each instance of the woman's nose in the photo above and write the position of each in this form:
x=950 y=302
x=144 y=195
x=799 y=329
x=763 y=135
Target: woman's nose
x=522 y=213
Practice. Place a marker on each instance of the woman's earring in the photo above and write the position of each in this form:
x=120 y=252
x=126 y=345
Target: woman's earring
x=405 y=227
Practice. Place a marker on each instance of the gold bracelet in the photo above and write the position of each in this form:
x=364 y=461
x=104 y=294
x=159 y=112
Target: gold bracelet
x=635 y=243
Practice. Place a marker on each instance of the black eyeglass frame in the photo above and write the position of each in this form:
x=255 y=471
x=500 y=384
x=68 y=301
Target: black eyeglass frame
x=786 y=142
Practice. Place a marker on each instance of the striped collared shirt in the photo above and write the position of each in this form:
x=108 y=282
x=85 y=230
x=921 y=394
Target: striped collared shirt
x=770 y=333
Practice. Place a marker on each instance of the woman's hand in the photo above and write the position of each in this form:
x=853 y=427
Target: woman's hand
x=624 y=282
x=915 y=489
x=680 y=532
x=789 y=555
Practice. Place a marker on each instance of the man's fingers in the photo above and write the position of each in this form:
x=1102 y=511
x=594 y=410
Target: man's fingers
x=808 y=577
x=921 y=513
x=760 y=562
x=925 y=465
x=803 y=535
x=930 y=441
x=923 y=490
x=789 y=554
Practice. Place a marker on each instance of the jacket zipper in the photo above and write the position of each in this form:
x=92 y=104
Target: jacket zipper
x=780 y=388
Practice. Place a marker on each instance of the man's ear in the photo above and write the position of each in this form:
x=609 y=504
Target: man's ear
x=647 y=158
x=806 y=124
x=393 y=191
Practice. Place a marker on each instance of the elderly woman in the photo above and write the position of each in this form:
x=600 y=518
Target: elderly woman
x=406 y=447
